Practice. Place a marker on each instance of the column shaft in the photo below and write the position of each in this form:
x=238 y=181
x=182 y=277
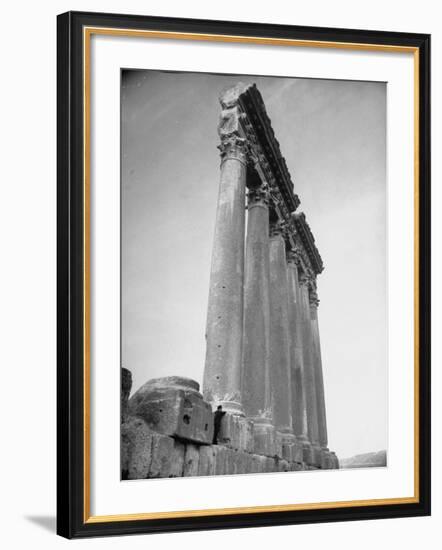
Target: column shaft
x=320 y=398
x=279 y=337
x=299 y=405
x=255 y=372
x=222 y=373
x=310 y=378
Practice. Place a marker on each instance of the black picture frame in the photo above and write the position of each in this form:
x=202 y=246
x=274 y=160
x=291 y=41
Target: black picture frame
x=72 y=520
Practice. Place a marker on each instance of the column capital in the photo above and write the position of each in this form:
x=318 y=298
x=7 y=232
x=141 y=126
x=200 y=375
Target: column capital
x=277 y=228
x=258 y=195
x=294 y=256
x=305 y=279
x=233 y=147
x=313 y=298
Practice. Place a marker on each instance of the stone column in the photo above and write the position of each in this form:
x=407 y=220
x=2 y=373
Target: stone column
x=279 y=336
x=317 y=361
x=310 y=378
x=298 y=382
x=255 y=372
x=222 y=372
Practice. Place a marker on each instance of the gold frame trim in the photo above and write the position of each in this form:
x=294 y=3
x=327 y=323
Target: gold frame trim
x=87 y=33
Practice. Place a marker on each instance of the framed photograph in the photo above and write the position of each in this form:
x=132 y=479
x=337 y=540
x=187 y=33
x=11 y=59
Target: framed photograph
x=243 y=274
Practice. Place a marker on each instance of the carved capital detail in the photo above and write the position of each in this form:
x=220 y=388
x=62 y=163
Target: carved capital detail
x=305 y=279
x=294 y=256
x=233 y=147
x=258 y=195
x=277 y=228
x=313 y=299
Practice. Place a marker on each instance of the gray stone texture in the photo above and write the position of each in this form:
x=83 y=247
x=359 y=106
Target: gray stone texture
x=191 y=460
x=255 y=384
x=297 y=378
x=236 y=432
x=224 y=329
x=317 y=363
x=279 y=337
x=136 y=448
x=177 y=462
x=126 y=386
x=162 y=454
x=264 y=439
x=309 y=370
x=173 y=406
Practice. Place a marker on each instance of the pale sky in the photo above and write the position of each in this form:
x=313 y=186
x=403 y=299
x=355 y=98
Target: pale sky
x=333 y=137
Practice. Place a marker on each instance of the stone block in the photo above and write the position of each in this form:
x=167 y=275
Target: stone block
x=298 y=452
x=221 y=459
x=264 y=440
x=325 y=460
x=317 y=457
x=236 y=432
x=334 y=460
x=246 y=435
x=136 y=449
x=271 y=464
x=177 y=462
x=258 y=464
x=173 y=406
x=282 y=465
x=240 y=462
x=206 y=464
x=191 y=460
x=126 y=386
x=162 y=453
x=308 y=455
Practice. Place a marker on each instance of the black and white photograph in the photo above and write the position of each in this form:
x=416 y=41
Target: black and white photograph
x=253 y=274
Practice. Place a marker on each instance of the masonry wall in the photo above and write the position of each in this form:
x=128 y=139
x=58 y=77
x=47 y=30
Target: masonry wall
x=167 y=431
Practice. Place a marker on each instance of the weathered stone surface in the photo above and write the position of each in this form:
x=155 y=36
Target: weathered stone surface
x=335 y=460
x=317 y=363
x=162 y=453
x=177 y=462
x=279 y=333
x=308 y=361
x=258 y=464
x=173 y=406
x=236 y=432
x=191 y=460
x=126 y=386
x=270 y=464
x=264 y=439
x=206 y=464
x=297 y=452
x=246 y=441
x=136 y=449
x=255 y=389
x=222 y=372
x=308 y=455
x=317 y=457
x=283 y=465
x=220 y=457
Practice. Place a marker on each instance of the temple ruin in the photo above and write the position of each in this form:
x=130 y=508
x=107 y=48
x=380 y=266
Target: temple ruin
x=263 y=358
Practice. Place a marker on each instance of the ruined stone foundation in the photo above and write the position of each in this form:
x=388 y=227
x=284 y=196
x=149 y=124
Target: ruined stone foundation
x=167 y=431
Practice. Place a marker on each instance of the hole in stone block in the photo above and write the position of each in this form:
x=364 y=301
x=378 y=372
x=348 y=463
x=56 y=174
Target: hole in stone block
x=186 y=419
x=206 y=427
